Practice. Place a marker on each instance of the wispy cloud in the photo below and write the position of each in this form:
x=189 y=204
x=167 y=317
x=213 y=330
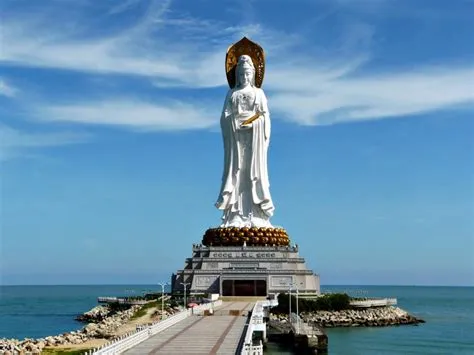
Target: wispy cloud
x=15 y=143
x=123 y=6
x=134 y=114
x=324 y=85
x=143 y=48
x=6 y=89
x=427 y=10
x=335 y=96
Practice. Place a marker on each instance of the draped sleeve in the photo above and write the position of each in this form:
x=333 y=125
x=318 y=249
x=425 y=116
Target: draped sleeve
x=263 y=107
x=227 y=127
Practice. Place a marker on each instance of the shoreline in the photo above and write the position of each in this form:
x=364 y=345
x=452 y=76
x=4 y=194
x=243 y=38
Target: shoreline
x=100 y=325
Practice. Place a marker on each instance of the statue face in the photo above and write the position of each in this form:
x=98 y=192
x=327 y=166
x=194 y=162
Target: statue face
x=245 y=77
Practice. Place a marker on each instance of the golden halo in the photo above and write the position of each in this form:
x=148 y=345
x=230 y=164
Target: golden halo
x=245 y=46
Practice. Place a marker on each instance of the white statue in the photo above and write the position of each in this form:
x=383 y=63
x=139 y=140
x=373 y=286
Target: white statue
x=245 y=194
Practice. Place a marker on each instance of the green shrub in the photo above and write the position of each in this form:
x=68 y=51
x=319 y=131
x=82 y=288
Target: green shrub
x=331 y=302
x=339 y=301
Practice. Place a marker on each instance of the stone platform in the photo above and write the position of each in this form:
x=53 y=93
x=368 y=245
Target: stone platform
x=244 y=271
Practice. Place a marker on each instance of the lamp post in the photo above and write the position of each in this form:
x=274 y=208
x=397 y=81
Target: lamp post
x=295 y=287
x=289 y=303
x=162 y=284
x=185 y=284
x=297 y=313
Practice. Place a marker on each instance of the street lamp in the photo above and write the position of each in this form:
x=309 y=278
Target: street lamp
x=294 y=286
x=297 y=313
x=163 y=284
x=184 y=286
x=289 y=302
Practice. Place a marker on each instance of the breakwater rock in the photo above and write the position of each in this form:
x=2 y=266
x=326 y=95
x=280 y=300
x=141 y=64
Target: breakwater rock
x=105 y=329
x=109 y=325
x=370 y=317
x=95 y=315
x=14 y=346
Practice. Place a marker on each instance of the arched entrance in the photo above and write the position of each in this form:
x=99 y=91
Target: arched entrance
x=244 y=287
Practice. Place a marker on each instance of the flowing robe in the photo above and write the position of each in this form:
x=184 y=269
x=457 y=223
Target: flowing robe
x=245 y=191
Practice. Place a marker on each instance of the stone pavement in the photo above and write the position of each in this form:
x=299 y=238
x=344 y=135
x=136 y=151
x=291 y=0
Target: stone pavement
x=195 y=335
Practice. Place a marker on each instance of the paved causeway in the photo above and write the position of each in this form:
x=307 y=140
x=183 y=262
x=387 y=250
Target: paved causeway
x=210 y=335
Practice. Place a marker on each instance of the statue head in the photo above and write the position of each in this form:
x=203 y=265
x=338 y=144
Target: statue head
x=245 y=71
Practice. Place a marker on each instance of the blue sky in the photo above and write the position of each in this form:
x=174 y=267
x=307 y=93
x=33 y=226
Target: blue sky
x=111 y=154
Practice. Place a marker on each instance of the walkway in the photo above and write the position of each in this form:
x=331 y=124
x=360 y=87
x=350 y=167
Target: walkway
x=210 y=335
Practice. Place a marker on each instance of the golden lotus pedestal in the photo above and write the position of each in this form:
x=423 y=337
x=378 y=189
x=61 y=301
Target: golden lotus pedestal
x=234 y=236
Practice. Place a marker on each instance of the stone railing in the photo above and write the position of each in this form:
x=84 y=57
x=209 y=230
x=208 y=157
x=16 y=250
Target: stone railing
x=251 y=349
x=256 y=323
x=251 y=271
x=198 y=247
x=132 y=339
x=374 y=303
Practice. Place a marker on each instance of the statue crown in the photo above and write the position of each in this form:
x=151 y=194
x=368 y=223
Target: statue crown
x=245 y=62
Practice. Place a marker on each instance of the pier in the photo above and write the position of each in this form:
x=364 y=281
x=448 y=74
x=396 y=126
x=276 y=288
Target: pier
x=214 y=334
x=129 y=301
x=374 y=302
x=236 y=327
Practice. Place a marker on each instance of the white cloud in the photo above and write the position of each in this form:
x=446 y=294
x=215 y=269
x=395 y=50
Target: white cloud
x=123 y=6
x=335 y=96
x=6 y=89
x=108 y=55
x=142 y=49
x=14 y=142
x=168 y=48
x=136 y=114
x=326 y=85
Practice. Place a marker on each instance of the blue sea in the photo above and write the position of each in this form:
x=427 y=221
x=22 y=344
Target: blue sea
x=39 y=311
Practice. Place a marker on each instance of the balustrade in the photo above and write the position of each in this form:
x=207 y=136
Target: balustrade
x=130 y=340
x=256 y=323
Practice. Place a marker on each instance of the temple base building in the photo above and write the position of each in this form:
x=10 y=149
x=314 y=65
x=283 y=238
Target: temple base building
x=245 y=271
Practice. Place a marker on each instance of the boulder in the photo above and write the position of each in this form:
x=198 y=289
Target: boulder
x=377 y=317
x=96 y=314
